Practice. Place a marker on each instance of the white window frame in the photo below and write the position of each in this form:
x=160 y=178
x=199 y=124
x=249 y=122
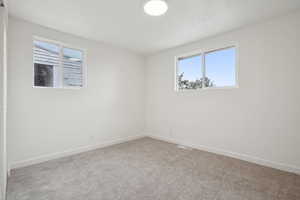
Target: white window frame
x=61 y=46
x=202 y=52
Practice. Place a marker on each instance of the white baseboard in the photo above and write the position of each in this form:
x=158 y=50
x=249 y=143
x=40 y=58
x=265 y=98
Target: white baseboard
x=259 y=161
x=244 y=157
x=48 y=157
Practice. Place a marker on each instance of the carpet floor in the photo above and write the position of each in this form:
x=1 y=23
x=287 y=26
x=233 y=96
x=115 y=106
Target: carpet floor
x=148 y=169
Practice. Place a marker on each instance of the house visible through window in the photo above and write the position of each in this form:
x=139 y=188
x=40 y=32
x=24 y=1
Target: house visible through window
x=211 y=69
x=57 y=66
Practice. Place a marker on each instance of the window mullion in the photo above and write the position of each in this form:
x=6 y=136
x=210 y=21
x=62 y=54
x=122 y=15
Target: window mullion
x=61 y=66
x=176 y=75
x=203 y=70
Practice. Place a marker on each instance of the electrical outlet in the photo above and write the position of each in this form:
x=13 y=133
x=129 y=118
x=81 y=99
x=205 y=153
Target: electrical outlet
x=92 y=138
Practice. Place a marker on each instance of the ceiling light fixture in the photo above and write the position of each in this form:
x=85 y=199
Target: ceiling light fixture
x=155 y=7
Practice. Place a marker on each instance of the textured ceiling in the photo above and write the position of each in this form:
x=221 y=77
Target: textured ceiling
x=123 y=22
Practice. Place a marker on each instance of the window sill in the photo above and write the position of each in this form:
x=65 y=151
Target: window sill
x=59 y=88
x=206 y=89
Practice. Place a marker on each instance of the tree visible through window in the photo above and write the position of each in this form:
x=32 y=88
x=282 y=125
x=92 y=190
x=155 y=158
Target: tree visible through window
x=207 y=70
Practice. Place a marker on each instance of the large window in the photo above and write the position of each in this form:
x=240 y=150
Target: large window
x=56 y=65
x=207 y=69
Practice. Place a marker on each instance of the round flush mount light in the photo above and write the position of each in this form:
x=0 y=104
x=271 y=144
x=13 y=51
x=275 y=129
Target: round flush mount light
x=155 y=7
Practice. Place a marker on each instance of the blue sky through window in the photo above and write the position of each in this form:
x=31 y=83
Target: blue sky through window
x=47 y=46
x=72 y=53
x=68 y=53
x=191 y=67
x=220 y=67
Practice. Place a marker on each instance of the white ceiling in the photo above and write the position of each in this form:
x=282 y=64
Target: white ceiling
x=123 y=22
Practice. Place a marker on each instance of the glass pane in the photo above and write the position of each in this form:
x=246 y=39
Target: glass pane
x=43 y=75
x=46 y=53
x=189 y=74
x=72 y=66
x=46 y=64
x=220 y=68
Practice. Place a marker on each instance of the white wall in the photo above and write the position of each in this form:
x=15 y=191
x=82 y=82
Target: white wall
x=43 y=122
x=3 y=75
x=259 y=121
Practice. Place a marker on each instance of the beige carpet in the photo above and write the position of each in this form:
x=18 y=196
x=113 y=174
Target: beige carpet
x=148 y=169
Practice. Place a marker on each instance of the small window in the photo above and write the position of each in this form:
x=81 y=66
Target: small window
x=57 y=66
x=211 y=69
